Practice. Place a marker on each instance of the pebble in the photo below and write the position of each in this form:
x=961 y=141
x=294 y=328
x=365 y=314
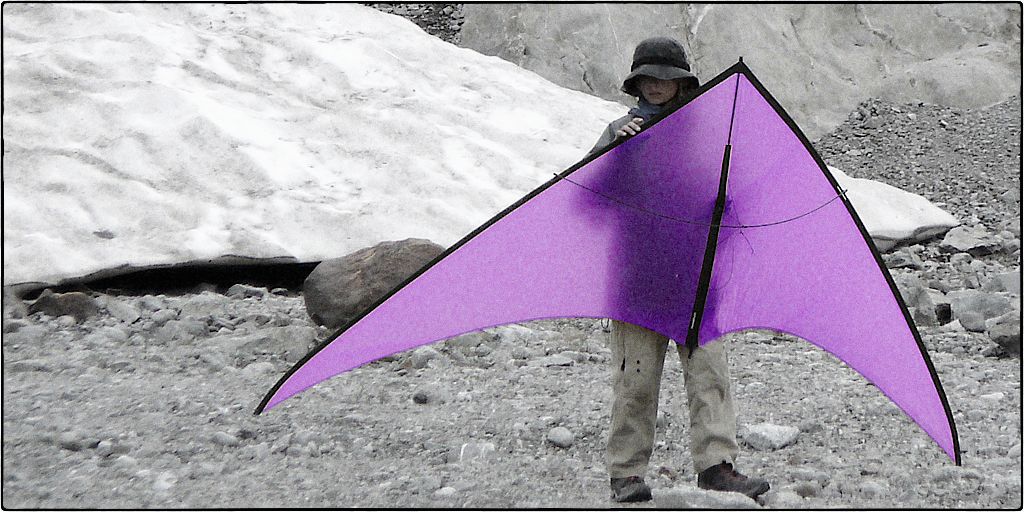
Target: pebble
x=561 y=437
x=66 y=321
x=422 y=356
x=806 y=489
x=783 y=499
x=1014 y=451
x=241 y=291
x=105 y=448
x=445 y=492
x=224 y=439
x=766 y=436
x=163 y=316
x=76 y=441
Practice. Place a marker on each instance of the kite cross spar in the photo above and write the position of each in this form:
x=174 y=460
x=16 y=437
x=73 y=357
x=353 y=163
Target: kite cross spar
x=644 y=232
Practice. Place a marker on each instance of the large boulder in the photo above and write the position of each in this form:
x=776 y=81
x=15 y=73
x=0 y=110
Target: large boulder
x=820 y=61
x=76 y=304
x=340 y=289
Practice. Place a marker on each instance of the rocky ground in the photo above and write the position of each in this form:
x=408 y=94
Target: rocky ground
x=146 y=400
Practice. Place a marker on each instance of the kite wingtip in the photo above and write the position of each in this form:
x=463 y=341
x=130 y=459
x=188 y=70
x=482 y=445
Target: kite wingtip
x=741 y=59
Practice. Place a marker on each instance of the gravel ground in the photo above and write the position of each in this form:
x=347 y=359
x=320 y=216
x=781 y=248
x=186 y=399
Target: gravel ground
x=156 y=412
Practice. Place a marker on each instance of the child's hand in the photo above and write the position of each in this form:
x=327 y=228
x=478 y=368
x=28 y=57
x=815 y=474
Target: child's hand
x=630 y=128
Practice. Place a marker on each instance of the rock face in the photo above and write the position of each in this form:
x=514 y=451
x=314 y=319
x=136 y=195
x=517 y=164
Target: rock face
x=819 y=60
x=337 y=290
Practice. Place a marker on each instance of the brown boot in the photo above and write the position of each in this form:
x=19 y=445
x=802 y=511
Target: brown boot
x=630 y=489
x=724 y=478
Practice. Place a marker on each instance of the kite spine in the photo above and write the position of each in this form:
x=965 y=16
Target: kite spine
x=704 y=284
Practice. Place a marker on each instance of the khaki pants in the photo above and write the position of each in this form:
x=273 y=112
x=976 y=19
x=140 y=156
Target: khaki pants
x=638 y=356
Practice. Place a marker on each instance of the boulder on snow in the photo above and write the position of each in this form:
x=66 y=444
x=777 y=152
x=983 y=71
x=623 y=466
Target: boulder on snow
x=340 y=289
x=973 y=307
x=75 y=304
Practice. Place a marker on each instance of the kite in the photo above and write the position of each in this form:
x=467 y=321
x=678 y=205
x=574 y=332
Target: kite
x=718 y=217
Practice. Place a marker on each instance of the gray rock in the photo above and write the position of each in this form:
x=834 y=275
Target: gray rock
x=1005 y=332
x=105 y=448
x=290 y=342
x=916 y=297
x=75 y=441
x=445 y=492
x=224 y=439
x=28 y=365
x=66 y=321
x=119 y=309
x=152 y=303
x=340 y=289
x=975 y=241
x=687 y=497
x=163 y=316
x=806 y=489
x=1004 y=282
x=258 y=369
x=553 y=360
x=422 y=356
x=181 y=330
x=782 y=499
x=571 y=46
x=872 y=489
x=75 y=304
x=973 y=307
x=766 y=436
x=561 y=437
x=903 y=258
x=242 y=291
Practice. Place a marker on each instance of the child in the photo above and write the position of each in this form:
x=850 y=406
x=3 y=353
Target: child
x=659 y=76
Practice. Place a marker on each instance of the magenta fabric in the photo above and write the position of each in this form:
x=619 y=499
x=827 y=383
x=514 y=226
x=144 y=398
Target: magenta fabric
x=624 y=236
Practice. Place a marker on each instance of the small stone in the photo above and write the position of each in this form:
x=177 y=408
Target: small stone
x=872 y=489
x=553 y=360
x=12 y=326
x=766 y=436
x=561 y=437
x=28 y=365
x=1005 y=332
x=66 y=321
x=422 y=396
x=782 y=499
x=105 y=448
x=806 y=489
x=445 y=492
x=241 y=291
x=163 y=316
x=121 y=310
x=422 y=356
x=75 y=441
x=992 y=397
x=224 y=439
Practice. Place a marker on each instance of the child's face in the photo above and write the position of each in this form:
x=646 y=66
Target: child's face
x=657 y=91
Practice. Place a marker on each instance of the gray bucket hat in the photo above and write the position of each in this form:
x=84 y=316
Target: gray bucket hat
x=658 y=57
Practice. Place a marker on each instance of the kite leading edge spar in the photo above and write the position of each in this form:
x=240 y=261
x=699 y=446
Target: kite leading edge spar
x=718 y=217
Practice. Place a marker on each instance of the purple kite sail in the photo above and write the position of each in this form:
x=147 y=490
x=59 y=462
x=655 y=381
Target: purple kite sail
x=718 y=217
